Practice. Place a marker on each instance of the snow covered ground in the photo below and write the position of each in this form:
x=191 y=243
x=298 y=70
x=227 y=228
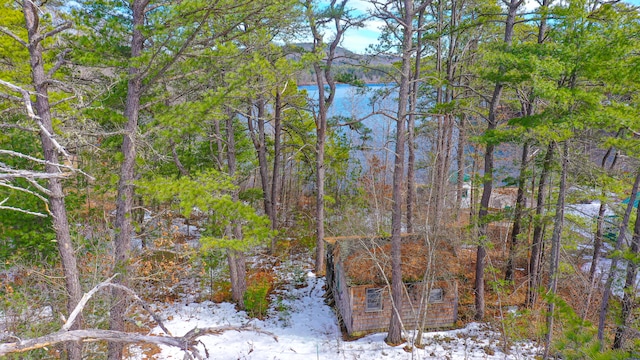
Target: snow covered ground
x=590 y=213
x=306 y=328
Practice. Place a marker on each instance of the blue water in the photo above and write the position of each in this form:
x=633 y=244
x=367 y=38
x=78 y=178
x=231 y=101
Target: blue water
x=353 y=103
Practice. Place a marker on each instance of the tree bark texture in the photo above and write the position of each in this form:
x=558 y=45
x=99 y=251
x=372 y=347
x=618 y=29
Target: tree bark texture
x=321 y=129
x=125 y=195
x=275 y=189
x=461 y=164
x=56 y=199
x=235 y=258
x=629 y=301
x=258 y=137
x=411 y=160
x=395 y=326
x=598 y=237
x=555 y=248
x=438 y=193
x=492 y=123
x=536 y=246
x=324 y=75
x=517 y=215
x=622 y=231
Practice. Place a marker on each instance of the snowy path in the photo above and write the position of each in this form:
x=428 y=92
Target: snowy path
x=308 y=329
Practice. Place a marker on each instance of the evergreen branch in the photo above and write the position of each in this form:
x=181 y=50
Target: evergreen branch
x=182 y=49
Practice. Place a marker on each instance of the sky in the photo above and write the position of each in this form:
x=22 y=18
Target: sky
x=357 y=40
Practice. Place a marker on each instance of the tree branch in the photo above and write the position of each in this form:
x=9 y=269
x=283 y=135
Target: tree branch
x=24 y=174
x=38 y=186
x=16 y=126
x=34 y=159
x=12 y=35
x=4 y=183
x=187 y=343
x=2 y=207
x=27 y=103
x=59 y=63
x=9 y=97
x=58 y=29
x=178 y=53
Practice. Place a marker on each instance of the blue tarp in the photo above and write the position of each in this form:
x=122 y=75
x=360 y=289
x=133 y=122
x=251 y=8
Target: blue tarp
x=635 y=203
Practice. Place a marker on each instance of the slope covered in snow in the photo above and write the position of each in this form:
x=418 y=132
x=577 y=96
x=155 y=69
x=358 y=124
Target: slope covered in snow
x=306 y=328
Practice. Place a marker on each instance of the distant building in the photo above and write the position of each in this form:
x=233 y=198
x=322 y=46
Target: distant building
x=502 y=198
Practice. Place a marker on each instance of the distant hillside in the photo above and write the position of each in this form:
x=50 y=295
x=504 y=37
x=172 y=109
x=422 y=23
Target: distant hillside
x=370 y=69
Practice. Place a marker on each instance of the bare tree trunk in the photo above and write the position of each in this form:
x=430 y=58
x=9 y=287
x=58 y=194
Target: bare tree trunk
x=460 y=155
x=258 y=137
x=598 y=238
x=235 y=258
x=555 y=247
x=622 y=231
x=492 y=123
x=413 y=100
x=323 y=72
x=528 y=108
x=125 y=184
x=321 y=129
x=218 y=155
x=275 y=191
x=597 y=243
x=50 y=153
x=395 y=326
x=436 y=202
x=536 y=246
x=452 y=66
x=630 y=297
x=176 y=159
x=517 y=216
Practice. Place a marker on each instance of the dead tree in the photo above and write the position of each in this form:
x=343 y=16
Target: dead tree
x=188 y=342
x=40 y=113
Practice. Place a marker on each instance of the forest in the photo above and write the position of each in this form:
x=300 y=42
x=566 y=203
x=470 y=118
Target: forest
x=147 y=144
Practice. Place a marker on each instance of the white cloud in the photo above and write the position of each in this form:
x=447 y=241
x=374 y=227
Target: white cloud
x=358 y=40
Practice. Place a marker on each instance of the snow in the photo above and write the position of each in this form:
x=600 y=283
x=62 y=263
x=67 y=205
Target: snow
x=307 y=328
x=602 y=270
x=590 y=212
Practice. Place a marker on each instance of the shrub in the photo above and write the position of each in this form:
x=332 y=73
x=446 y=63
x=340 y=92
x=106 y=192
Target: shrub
x=255 y=298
